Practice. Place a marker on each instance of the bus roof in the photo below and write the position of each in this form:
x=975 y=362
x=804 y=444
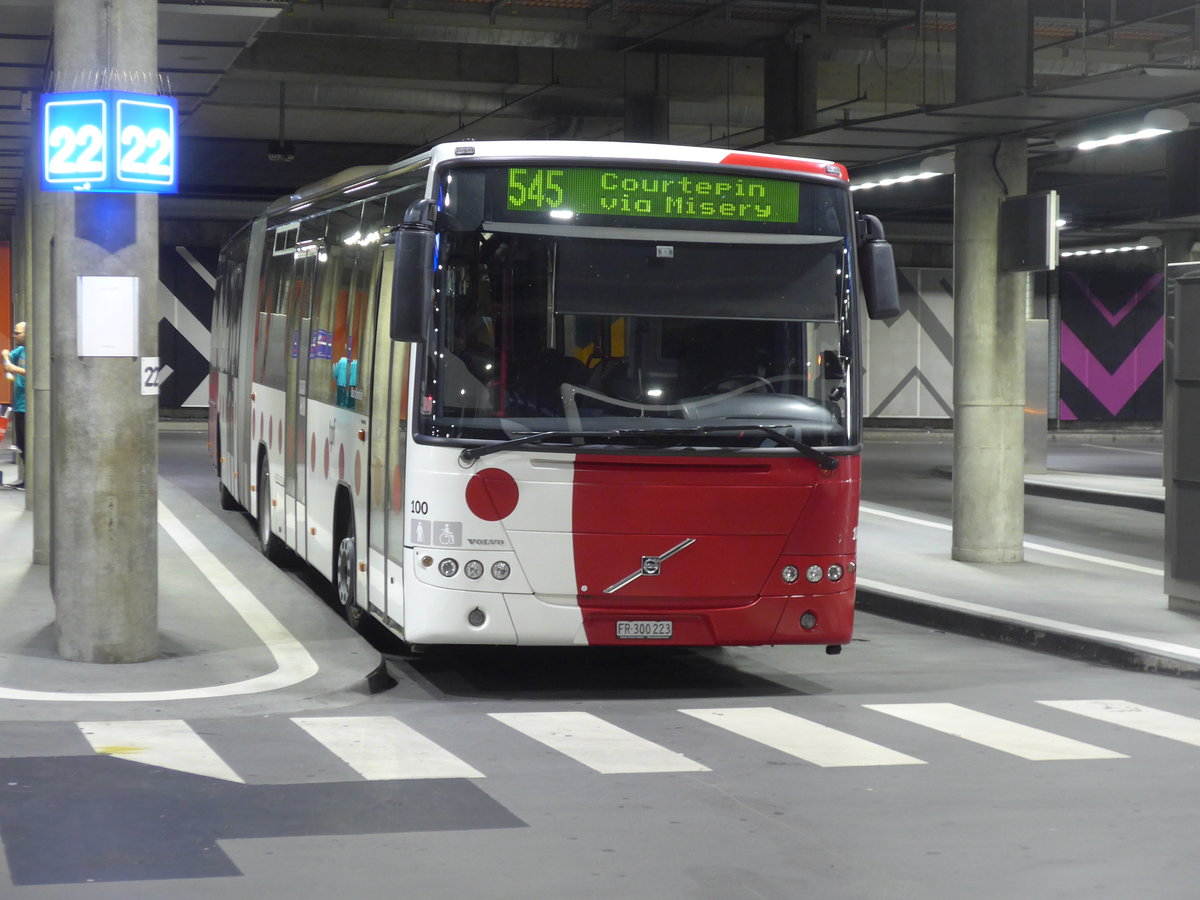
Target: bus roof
x=608 y=151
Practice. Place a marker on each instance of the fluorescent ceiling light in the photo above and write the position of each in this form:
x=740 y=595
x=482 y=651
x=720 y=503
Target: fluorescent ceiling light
x=897 y=179
x=1155 y=123
x=1142 y=244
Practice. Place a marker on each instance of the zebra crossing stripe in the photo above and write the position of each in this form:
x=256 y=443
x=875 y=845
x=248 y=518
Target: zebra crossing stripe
x=381 y=748
x=597 y=744
x=992 y=731
x=810 y=741
x=164 y=743
x=1131 y=715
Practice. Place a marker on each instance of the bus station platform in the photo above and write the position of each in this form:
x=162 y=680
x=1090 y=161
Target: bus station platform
x=236 y=636
x=1093 y=589
x=239 y=637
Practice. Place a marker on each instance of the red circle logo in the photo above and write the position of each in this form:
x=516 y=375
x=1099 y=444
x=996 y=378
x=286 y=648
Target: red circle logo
x=492 y=494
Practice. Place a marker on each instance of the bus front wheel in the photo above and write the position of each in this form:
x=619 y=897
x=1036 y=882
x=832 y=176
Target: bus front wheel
x=347 y=578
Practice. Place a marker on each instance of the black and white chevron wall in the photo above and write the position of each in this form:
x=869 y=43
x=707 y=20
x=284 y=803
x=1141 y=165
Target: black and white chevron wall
x=909 y=360
x=186 y=279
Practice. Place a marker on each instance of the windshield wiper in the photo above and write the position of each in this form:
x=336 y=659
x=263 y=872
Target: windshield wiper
x=537 y=437
x=825 y=461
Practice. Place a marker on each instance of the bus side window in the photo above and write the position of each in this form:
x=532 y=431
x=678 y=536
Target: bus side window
x=320 y=342
x=270 y=341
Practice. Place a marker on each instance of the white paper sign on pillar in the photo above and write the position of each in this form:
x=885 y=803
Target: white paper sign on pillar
x=107 y=315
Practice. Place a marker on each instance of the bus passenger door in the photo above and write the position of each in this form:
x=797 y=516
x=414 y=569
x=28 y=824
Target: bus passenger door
x=387 y=420
x=295 y=445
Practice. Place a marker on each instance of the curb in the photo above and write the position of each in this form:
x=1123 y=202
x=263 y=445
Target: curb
x=1043 y=635
x=1082 y=495
x=1129 y=501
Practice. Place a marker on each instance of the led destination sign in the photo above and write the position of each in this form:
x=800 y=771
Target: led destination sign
x=653 y=193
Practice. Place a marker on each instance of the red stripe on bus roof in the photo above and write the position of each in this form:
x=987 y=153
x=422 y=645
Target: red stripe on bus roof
x=789 y=163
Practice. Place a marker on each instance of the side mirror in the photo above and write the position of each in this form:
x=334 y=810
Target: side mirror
x=412 y=273
x=877 y=269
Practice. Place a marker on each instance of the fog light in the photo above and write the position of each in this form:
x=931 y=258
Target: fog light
x=476 y=616
x=835 y=572
x=473 y=569
x=448 y=567
x=500 y=570
x=790 y=574
x=808 y=621
x=813 y=574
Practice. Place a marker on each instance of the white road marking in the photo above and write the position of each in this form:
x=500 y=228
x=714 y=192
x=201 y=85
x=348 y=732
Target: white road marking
x=1031 y=545
x=992 y=731
x=597 y=744
x=294 y=662
x=1125 y=449
x=164 y=743
x=381 y=748
x=810 y=741
x=1132 y=715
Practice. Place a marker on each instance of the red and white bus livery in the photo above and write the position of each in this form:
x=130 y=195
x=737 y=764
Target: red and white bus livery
x=548 y=393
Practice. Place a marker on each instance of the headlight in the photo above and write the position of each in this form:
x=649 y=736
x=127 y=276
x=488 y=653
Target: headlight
x=448 y=567
x=500 y=570
x=473 y=569
x=813 y=574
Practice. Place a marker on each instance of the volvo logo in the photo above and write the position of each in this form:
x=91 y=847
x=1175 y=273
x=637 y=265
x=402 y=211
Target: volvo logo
x=651 y=565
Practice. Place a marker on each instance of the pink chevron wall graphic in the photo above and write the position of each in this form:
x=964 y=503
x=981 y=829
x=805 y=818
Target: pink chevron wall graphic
x=1112 y=389
x=1114 y=319
x=1111 y=338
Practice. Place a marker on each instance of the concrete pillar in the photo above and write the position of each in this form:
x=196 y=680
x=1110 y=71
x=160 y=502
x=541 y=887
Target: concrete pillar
x=104 y=456
x=647 y=105
x=1181 y=181
x=994 y=59
x=37 y=384
x=18 y=269
x=790 y=89
x=989 y=360
x=22 y=262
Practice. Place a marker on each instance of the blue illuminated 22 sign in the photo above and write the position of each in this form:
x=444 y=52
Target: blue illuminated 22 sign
x=109 y=141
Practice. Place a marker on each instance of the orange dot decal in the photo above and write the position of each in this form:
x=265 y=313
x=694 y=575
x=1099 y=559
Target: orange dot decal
x=492 y=494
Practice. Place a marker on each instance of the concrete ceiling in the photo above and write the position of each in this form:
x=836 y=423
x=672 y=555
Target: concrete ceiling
x=350 y=82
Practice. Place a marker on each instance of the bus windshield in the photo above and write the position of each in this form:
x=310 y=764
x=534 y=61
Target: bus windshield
x=586 y=301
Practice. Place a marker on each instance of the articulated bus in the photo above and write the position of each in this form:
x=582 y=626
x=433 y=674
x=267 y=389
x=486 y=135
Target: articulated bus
x=557 y=393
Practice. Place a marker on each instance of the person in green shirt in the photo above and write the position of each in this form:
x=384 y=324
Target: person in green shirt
x=14 y=365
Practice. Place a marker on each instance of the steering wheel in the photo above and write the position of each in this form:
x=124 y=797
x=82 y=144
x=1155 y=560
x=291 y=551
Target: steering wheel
x=757 y=380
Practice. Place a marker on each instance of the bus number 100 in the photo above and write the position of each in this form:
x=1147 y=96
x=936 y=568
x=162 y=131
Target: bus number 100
x=534 y=188
x=419 y=508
